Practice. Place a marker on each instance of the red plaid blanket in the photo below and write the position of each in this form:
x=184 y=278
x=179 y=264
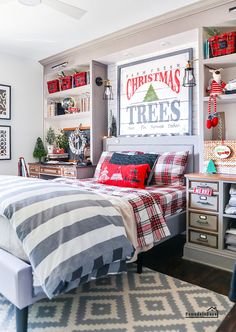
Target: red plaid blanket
x=150 y=205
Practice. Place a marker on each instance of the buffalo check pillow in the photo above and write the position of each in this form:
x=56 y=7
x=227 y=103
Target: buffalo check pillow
x=105 y=158
x=170 y=168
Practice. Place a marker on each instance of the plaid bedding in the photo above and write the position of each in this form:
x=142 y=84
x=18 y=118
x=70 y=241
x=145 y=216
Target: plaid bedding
x=150 y=205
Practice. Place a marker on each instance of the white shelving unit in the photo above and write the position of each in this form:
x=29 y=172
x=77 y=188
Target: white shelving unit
x=74 y=92
x=96 y=116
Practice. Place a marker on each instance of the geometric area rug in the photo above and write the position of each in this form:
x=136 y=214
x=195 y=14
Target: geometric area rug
x=147 y=302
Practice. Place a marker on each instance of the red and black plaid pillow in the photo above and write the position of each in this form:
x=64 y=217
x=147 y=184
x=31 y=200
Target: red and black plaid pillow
x=170 y=168
x=132 y=176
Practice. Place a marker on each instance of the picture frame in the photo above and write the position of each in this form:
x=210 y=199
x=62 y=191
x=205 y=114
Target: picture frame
x=5 y=142
x=151 y=98
x=5 y=102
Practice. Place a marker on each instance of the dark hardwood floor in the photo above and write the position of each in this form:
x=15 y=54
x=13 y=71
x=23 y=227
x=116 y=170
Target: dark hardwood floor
x=167 y=258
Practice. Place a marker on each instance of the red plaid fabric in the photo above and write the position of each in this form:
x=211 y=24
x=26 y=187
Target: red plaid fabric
x=150 y=205
x=222 y=44
x=106 y=156
x=170 y=167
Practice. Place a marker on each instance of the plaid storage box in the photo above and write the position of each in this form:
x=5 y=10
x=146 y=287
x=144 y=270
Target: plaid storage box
x=79 y=79
x=66 y=82
x=53 y=86
x=222 y=44
x=170 y=168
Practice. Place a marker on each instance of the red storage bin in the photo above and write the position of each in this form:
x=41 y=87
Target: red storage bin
x=66 y=82
x=53 y=86
x=79 y=79
x=222 y=44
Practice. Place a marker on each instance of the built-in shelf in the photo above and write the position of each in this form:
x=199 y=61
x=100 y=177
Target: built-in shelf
x=69 y=92
x=225 y=61
x=223 y=99
x=72 y=116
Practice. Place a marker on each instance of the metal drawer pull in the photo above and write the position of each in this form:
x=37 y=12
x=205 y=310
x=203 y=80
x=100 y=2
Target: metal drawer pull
x=204 y=203
x=203 y=217
x=203 y=222
x=203 y=198
x=203 y=238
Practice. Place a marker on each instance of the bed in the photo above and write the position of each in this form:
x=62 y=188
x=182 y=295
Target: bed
x=16 y=280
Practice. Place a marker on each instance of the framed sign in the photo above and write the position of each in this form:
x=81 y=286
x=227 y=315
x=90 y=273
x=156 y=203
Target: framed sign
x=151 y=98
x=5 y=102
x=5 y=142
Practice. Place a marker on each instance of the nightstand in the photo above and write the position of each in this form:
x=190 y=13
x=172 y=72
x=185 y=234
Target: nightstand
x=206 y=220
x=48 y=171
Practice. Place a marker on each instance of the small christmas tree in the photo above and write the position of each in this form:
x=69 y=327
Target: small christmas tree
x=50 y=137
x=39 y=150
x=150 y=95
x=211 y=169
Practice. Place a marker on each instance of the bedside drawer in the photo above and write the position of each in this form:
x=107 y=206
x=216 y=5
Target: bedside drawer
x=34 y=175
x=202 y=202
x=50 y=170
x=34 y=168
x=69 y=172
x=203 y=221
x=212 y=185
x=204 y=239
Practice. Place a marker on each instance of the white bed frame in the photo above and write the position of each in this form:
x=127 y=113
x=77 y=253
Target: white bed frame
x=16 y=282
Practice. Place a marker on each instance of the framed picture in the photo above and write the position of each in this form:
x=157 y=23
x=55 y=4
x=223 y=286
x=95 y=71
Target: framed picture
x=5 y=142
x=151 y=98
x=5 y=102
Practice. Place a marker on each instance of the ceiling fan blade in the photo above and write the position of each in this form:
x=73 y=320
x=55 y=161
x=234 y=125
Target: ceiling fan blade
x=64 y=8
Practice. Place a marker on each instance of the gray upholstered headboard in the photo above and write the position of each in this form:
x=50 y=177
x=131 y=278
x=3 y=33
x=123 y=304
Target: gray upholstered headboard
x=135 y=144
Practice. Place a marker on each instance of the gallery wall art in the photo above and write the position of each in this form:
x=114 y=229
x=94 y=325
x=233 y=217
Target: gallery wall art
x=5 y=142
x=5 y=102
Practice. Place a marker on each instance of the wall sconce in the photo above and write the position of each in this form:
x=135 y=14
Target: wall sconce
x=189 y=78
x=108 y=93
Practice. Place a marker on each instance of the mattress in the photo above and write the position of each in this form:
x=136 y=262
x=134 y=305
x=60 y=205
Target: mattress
x=9 y=240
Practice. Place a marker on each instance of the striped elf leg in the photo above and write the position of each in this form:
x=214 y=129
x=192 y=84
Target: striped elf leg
x=208 y=121
x=214 y=121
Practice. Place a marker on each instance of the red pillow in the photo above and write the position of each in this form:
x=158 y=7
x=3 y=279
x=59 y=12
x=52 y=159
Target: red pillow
x=133 y=176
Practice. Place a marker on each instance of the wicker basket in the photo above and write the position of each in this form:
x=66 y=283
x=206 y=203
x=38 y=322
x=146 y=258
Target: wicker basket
x=226 y=166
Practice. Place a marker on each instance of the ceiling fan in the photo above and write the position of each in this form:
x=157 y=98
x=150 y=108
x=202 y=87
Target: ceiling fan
x=58 y=5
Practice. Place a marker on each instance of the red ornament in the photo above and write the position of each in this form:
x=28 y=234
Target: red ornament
x=208 y=124
x=214 y=121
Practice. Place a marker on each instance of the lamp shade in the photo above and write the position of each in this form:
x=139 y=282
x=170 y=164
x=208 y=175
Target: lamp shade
x=189 y=78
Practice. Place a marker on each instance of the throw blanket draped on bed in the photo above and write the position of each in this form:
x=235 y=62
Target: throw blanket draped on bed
x=149 y=208
x=69 y=235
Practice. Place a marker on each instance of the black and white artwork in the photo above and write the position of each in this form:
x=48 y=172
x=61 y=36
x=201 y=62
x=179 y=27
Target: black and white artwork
x=5 y=142
x=5 y=102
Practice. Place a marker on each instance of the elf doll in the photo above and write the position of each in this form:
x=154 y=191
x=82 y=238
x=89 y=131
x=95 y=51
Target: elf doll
x=216 y=87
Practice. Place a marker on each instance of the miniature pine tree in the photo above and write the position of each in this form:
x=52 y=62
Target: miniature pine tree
x=150 y=95
x=211 y=169
x=50 y=137
x=39 y=150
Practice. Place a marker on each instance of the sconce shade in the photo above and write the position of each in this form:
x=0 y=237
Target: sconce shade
x=108 y=93
x=189 y=78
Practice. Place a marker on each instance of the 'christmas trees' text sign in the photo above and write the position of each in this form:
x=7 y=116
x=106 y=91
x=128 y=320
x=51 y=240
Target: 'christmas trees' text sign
x=152 y=100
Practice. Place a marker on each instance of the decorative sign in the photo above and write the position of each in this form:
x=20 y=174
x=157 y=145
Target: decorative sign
x=222 y=151
x=152 y=100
